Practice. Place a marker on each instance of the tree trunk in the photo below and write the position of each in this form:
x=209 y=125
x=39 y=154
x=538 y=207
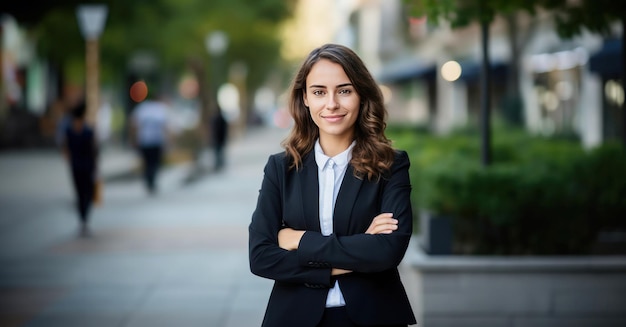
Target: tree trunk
x=485 y=109
x=198 y=68
x=623 y=111
x=513 y=105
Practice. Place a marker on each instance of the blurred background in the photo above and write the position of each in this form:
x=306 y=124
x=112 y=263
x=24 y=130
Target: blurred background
x=546 y=70
x=556 y=66
x=512 y=113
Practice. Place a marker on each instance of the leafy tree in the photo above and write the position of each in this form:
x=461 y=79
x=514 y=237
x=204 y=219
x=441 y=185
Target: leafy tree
x=572 y=17
x=174 y=31
x=460 y=13
x=171 y=35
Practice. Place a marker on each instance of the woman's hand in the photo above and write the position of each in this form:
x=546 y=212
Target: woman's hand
x=289 y=238
x=382 y=224
x=338 y=271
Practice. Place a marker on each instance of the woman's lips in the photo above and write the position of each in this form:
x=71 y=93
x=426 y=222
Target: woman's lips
x=333 y=118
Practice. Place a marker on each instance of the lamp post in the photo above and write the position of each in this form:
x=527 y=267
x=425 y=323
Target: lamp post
x=91 y=20
x=216 y=44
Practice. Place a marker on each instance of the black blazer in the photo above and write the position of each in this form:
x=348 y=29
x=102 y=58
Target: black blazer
x=373 y=292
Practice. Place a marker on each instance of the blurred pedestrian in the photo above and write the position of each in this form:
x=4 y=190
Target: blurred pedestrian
x=149 y=134
x=333 y=218
x=81 y=151
x=219 y=132
x=64 y=120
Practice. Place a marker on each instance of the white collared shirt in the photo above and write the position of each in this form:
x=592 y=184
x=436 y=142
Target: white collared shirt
x=328 y=191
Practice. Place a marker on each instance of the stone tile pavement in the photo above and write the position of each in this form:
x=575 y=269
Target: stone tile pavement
x=176 y=259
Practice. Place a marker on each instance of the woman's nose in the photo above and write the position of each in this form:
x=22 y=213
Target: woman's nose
x=332 y=102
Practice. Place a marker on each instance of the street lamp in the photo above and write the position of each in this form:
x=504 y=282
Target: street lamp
x=216 y=44
x=91 y=20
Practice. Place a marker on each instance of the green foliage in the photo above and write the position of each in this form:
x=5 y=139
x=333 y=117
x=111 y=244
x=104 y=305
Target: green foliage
x=173 y=31
x=461 y=13
x=540 y=196
x=572 y=18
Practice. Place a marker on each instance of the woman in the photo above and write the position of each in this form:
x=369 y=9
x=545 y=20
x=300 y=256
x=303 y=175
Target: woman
x=333 y=218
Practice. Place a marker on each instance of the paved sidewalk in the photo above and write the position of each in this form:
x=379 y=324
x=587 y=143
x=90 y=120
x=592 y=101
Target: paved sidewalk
x=176 y=259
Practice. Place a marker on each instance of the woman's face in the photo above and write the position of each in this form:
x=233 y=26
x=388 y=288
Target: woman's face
x=332 y=100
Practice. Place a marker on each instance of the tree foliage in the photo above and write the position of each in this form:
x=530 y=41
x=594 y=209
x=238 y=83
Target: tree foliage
x=596 y=16
x=173 y=30
x=571 y=17
x=460 y=13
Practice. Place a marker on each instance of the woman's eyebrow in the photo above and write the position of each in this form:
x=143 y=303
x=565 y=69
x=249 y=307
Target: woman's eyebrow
x=323 y=86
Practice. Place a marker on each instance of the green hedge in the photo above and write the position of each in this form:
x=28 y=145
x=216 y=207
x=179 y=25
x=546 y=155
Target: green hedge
x=539 y=196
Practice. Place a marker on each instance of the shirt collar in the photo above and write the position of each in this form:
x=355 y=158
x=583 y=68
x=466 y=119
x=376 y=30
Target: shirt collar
x=340 y=160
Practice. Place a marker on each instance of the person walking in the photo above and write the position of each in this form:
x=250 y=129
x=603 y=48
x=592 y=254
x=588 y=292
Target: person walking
x=149 y=134
x=80 y=148
x=333 y=217
x=219 y=132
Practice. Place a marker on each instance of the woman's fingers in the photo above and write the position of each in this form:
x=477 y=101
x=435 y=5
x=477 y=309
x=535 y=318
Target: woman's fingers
x=383 y=224
x=386 y=228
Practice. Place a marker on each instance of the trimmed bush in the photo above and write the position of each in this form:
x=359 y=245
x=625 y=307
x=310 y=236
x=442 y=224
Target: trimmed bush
x=539 y=196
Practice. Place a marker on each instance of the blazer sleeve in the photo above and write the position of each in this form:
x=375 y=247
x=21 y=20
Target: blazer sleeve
x=364 y=252
x=267 y=259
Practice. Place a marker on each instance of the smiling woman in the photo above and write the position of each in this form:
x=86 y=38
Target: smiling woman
x=334 y=263
x=333 y=104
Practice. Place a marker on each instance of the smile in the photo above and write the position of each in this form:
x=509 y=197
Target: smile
x=333 y=118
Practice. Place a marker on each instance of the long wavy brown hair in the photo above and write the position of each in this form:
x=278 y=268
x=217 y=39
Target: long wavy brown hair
x=372 y=154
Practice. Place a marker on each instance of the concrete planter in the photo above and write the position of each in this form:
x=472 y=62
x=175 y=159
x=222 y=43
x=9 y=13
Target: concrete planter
x=437 y=236
x=485 y=291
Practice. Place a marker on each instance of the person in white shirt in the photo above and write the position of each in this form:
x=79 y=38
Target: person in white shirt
x=149 y=134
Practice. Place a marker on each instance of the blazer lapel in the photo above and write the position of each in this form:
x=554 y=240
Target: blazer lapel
x=345 y=201
x=309 y=190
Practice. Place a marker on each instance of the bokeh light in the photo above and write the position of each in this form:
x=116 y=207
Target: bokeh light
x=451 y=71
x=228 y=99
x=614 y=93
x=139 y=91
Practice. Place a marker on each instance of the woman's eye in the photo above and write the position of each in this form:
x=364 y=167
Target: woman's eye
x=317 y=92
x=344 y=91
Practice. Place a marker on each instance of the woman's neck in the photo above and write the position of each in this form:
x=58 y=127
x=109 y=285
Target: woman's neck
x=333 y=146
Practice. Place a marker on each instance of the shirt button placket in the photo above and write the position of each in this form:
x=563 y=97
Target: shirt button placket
x=329 y=185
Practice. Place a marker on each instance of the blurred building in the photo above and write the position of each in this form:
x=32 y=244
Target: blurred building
x=569 y=87
x=23 y=87
x=29 y=85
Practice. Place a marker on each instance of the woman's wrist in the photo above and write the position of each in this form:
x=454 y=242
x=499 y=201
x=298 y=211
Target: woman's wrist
x=289 y=238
